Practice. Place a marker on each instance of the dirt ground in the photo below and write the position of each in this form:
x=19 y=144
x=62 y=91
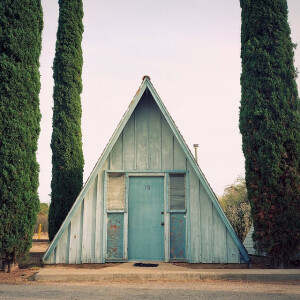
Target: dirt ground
x=28 y=267
x=44 y=236
x=31 y=265
x=257 y=262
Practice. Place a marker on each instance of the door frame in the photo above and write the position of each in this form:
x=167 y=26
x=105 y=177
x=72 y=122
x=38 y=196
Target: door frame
x=146 y=173
x=161 y=176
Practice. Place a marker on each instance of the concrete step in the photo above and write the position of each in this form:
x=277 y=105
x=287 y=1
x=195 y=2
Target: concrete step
x=165 y=272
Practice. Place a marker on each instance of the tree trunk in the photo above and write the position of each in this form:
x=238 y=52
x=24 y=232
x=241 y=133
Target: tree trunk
x=9 y=266
x=279 y=263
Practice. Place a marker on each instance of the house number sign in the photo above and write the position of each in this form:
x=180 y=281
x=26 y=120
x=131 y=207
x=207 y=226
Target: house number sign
x=147 y=187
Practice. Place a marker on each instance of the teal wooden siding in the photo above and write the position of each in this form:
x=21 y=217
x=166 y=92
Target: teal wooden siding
x=145 y=143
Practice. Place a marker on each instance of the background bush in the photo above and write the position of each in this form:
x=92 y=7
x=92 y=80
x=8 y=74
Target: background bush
x=236 y=206
x=42 y=218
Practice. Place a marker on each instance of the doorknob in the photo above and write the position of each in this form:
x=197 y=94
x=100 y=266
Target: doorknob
x=162 y=223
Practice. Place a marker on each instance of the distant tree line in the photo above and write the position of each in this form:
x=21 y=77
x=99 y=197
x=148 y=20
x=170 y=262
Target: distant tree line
x=42 y=218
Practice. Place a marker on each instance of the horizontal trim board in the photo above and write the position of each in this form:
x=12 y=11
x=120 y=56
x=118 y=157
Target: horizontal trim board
x=178 y=260
x=149 y=171
x=116 y=260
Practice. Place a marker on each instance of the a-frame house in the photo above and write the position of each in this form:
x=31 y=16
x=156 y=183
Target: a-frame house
x=146 y=199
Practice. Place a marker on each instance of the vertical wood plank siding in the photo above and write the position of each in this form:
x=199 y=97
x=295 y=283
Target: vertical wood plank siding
x=219 y=239
x=62 y=252
x=167 y=145
x=179 y=157
x=75 y=244
x=146 y=143
x=99 y=240
x=87 y=227
x=141 y=120
x=195 y=244
x=154 y=136
x=116 y=154
x=128 y=144
x=233 y=254
x=206 y=226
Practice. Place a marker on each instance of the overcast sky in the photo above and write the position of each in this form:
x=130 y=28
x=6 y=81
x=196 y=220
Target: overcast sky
x=191 y=51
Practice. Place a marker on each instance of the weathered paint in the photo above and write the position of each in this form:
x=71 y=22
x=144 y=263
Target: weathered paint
x=154 y=132
x=177 y=236
x=167 y=145
x=196 y=231
x=233 y=254
x=87 y=225
x=179 y=156
x=219 y=238
x=115 y=228
x=116 y=155
x=99 y=236
x=129 y=144
x=75 y=237
x=62 y=252
x=142 y=142
x=166 y=219
x=146 y=140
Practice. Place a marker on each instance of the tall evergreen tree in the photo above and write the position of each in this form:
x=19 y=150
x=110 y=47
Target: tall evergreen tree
x=66 y=144
x=269 y=123
x=21 y=24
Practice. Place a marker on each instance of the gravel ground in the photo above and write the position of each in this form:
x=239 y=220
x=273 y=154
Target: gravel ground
x=152 y=290
x=20 y=285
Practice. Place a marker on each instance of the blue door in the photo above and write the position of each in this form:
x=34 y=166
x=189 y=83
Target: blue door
x=145 y=218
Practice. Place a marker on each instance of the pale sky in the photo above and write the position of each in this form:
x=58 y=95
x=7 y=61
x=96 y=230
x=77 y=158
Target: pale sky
x=191 y=51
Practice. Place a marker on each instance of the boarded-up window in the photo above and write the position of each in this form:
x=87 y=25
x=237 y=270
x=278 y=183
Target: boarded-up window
x=116 y=191
x=115 y=229
x=177 y=192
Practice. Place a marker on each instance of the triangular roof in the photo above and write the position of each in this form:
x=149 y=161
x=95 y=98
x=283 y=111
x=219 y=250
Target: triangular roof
x=146 y=84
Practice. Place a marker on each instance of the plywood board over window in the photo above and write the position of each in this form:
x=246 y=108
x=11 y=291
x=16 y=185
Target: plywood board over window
x=116 y=191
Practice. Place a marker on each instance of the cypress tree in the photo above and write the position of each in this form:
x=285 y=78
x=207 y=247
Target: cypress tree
x=66 y=143
x=21 y=24
x=269 y=124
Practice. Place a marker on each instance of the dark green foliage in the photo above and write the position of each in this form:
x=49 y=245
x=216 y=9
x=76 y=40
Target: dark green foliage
x=66 y=144
x=21 y=24
x=236 y=206
x=269 y=123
